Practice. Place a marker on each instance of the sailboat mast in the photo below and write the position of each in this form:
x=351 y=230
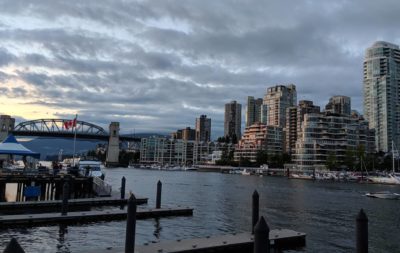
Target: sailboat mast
x=393 y=156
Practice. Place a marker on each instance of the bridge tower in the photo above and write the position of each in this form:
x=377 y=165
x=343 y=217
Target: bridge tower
x=6 y=125
x=113 y=145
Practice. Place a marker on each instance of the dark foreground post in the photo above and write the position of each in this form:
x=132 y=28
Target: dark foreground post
x=131 y=226
x=362 y=232
x=13 y=247
x=64 y=208
x=261 y=237
x=123 y=180
x=255 y=210
x=158 y=198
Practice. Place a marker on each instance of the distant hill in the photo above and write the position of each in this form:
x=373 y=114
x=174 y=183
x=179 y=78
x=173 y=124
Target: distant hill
x=52 y=146
x=146 y=135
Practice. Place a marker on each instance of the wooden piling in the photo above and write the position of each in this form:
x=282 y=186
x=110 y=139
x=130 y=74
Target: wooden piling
x=158 y=197
x=261 y=237
x=123 y=181
x=362 y=232
x=131 y=225
x=255 y=210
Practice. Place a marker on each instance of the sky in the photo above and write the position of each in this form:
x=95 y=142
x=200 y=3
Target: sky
x=154 y=66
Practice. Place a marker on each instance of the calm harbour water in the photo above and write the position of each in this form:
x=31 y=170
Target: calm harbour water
x=326 y=211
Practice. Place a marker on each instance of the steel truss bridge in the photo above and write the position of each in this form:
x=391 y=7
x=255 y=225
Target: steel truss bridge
x=56 y=128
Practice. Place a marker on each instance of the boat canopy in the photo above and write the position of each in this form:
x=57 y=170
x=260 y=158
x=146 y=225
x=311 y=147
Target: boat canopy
x=11 y=146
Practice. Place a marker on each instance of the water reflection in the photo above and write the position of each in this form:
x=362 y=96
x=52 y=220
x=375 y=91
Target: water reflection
x=157 y=228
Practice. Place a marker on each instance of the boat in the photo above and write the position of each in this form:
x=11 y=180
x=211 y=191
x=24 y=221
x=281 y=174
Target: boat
x=301 y=176
x=245 y=172
x=91 y=168
x=383 y=195
x=385 y=179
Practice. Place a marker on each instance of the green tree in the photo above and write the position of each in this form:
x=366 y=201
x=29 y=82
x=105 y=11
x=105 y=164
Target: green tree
x=262 y=157
x=349 y=159
x=331 y=161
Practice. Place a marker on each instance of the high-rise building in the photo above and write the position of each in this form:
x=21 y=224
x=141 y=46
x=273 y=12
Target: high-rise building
x=233 y=120
x=259 y=137
x=277 y=99
x=339 y=105
x=382 y=94
x=253 y=110
x=187 y=134
x=203 y=128
x=294 y=119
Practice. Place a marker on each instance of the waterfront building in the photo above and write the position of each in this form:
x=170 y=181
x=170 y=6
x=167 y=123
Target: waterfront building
x=187 y=134
x=253 y=110
x=7 y=124
x=233 y=120
x=178 y=152
x=339 y=105
x=278 y=99
x=382 y=93
x=330 y=135
x=259 y=137
x=203 y=128
x=294 y=118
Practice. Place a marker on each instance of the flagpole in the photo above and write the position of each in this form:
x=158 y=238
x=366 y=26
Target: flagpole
x=73 y=156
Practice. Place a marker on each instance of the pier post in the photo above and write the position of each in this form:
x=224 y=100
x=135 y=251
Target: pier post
x=131 y=225
x=123 y=182
x=64 y=209
x=261 y=237
x=2 y=192
x=288 y=172
x=255 y=210
x=13 y=247
x=362 y=232
x=313 y=174
x=158 y=197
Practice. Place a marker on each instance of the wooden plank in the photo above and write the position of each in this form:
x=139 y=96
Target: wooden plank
x=55 y=205
x=241 y=243
x=90 y=216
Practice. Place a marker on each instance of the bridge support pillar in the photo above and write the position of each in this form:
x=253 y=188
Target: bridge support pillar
x=113 y=145
x=6 y=126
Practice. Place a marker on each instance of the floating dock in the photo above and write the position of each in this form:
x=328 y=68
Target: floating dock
x=282 y=239
x=8 y=221
x=55 y=205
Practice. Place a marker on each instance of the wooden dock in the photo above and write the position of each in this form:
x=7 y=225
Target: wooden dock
x=233 y=243
x=7 y=221
x=55 y=205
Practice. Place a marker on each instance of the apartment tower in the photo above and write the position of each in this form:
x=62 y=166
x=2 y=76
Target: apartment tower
x=203 y=128
x=233 y=120
x=253 y=110
x=381 y=93
x=278 y=99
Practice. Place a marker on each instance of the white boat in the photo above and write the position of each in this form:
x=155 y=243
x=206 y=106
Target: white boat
x=301 y=176
x=388 y=179
x=246 y=172
x=90 y=168
x=383 y=195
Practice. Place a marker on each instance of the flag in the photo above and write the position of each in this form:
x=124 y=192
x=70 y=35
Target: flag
x=70 y=124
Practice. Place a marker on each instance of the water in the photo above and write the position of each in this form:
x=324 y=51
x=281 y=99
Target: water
x=326 y=211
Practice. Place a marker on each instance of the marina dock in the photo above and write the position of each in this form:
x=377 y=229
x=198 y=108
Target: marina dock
x=8 y=221
x=55 y=205
x=237 y=243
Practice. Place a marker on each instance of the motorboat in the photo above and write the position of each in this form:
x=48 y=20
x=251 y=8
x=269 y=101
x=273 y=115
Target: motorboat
x=383 y=195
x=387 y=179
x=246 y=172
x=301 y=176
x=91 y=168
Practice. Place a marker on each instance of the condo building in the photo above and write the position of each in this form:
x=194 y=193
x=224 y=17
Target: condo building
x=187 y=134
x=233 y=120
x=253 y=110
x=179 y=152
x=203 y=128
x=278 y=99
x=339 y=105
x=382 y=93
x=294 y=118
x=330 y=134
x=259 y=137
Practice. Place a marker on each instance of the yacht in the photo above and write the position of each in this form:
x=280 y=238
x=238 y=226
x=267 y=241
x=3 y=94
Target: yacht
x=383 y=195
x=91 y=168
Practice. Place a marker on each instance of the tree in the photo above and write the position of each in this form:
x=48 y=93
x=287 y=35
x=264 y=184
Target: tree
x=262 y=157
x=331 y=161
x=349 y=158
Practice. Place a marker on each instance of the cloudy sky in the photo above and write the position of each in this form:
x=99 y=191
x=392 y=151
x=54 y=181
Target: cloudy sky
x=156 y=65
